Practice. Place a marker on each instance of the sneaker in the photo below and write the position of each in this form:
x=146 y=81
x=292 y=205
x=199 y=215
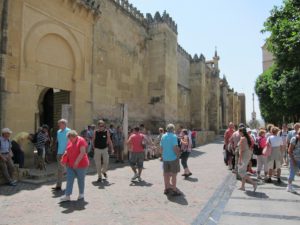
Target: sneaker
x=66 y=198
x=80 y=197
x=290 y=189
x=105 y=175
x=139 y=179
x=99 y=179
x=134 y=177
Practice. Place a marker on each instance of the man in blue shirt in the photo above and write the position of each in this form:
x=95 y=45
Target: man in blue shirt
x=170 y=153
x=62 y=141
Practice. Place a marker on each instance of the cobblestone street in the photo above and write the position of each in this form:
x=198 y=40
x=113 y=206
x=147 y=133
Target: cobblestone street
x=119 y=201
x=211 y=196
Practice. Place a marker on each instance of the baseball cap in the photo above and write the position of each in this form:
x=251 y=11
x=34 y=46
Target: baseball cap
x=241 y=125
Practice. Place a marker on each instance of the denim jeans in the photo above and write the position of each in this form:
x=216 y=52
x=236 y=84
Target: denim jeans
x=79 y=173
x=293 y=169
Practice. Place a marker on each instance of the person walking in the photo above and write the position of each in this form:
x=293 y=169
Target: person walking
x=102 y=141
x=170 y=156
x=276 y=144
x=76 y=161
x=118 y=142
x=6 y=164
x=262 y=162
x=245 y=154
x=234 y=141
x=137 y=155
x=294 y=153
x=185 y=152
x=227 y=147
x=62 y=141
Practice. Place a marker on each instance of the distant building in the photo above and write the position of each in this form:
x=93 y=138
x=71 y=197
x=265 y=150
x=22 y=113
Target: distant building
x=267 y=57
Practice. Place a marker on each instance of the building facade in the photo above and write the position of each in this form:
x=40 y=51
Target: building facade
x=84 y=60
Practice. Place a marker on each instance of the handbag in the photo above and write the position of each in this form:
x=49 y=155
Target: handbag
x=64 y=159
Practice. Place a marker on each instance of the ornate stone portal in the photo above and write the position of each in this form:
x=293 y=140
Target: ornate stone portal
x=103 y=60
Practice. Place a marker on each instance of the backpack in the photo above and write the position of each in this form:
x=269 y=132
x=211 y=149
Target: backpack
x=257 y=150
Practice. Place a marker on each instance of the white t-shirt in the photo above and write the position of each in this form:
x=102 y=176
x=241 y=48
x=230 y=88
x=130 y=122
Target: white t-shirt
x=276 y=141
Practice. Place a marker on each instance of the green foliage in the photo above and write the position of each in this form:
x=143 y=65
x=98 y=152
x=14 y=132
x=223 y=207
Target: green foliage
x=278 y=88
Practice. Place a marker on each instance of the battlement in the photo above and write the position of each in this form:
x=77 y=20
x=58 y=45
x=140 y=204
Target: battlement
x=197 y=58
x=165 y=18
x=183 y=52
x=130 y=10
x=91 y=5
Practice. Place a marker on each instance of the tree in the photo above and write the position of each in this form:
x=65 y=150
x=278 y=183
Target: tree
x=278 y=88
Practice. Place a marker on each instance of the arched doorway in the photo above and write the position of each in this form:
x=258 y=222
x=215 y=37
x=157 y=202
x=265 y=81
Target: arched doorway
x=51 y=106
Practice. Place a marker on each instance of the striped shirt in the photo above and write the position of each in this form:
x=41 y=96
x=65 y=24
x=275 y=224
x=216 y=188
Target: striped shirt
x=42 y=138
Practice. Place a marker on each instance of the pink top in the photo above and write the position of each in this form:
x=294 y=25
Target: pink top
x=73 y=151
x=228 y=133
x=262 y=142
x=136 y=140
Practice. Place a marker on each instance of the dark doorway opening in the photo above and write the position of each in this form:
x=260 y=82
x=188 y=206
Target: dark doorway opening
x=46 y=117
x=51 y=104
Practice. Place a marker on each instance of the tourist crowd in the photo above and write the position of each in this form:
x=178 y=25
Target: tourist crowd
x=270 y=148
x=99 y=143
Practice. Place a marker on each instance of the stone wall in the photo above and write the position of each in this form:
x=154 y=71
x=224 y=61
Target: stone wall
x=105 y=62
x=204 y=137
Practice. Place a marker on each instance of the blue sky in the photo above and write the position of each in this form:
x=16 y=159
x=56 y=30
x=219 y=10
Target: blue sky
x=232 y=25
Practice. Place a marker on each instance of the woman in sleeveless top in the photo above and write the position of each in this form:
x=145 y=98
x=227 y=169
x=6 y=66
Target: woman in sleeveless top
x=245 y=153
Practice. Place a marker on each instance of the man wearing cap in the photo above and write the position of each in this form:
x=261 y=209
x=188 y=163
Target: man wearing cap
x=6 y=163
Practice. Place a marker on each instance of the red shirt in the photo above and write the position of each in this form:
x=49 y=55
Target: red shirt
x=136 y=140
x=73 y=151
x=229 y=132
x=194 y=133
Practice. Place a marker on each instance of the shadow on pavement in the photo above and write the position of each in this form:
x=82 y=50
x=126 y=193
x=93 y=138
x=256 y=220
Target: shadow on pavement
x=103 y=184
x=257 y=194
x=191 y=179
x=140 y=184
x=181 y=200
x=21 y=186
x=196 y=153
x=57 y=194
x=73 y=206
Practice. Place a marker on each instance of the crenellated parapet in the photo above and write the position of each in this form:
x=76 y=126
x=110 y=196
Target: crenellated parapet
x=90 y=5
x=197 y=58
x=164 y=18
x=130 y=10
x=183 y=52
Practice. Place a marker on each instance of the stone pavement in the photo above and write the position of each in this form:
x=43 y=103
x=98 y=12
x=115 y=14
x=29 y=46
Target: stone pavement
x=271 y=204
x=210 y=197
x=119 y=201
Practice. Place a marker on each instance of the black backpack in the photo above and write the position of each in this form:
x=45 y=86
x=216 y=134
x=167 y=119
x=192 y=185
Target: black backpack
x=256 y=149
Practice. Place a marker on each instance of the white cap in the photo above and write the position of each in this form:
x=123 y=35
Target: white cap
x=6 y=131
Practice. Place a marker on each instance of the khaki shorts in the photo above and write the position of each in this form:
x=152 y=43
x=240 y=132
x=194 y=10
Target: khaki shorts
x=171 y=166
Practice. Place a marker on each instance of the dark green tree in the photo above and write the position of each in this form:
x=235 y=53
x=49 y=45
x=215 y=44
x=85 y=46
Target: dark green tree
x=279 y=87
